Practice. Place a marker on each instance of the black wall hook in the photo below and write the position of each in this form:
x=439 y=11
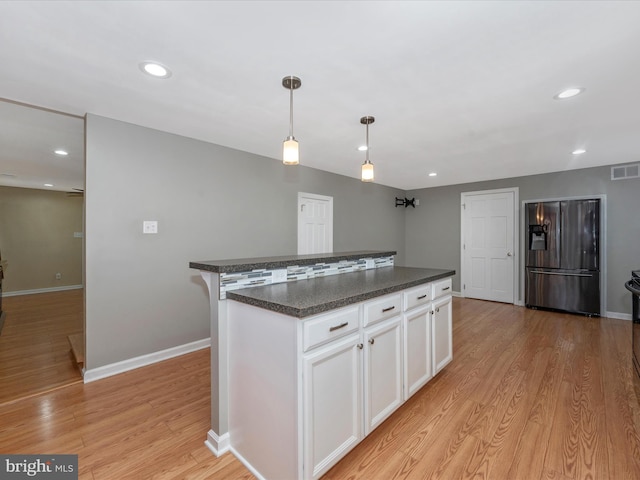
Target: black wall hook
x=406 y=202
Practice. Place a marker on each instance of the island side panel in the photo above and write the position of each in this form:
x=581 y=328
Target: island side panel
x=264 y=390
x=218 y=436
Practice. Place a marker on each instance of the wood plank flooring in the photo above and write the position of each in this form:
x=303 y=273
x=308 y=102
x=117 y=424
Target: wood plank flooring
x=76 y=343
x=34 y=348
x=529 y=395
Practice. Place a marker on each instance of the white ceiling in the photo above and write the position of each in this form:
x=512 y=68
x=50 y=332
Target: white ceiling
x=464 y=89
x=28 y=138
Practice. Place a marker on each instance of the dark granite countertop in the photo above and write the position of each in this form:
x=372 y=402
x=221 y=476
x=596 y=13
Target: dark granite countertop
x=303 y=298
x=269 y=263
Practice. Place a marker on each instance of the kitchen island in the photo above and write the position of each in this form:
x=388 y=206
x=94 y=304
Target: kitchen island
x=306 y=367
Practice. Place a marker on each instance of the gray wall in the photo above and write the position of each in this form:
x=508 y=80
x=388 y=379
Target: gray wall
x=210 y=202
x=433 y=229
x=37 y=239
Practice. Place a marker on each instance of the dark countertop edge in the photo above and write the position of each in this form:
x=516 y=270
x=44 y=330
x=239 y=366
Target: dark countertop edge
x=332 y=305
x=248 y=264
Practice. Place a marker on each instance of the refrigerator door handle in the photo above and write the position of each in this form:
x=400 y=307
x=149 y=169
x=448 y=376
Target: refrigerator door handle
x=539 y=272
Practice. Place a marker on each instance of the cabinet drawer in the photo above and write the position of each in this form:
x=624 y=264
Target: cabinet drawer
x=324 y=328
x=442 y=288
x=417 y=296
x=380 y=309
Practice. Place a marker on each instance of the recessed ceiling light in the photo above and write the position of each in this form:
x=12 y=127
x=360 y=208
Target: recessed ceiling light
x=569 y=92
x=362 y=148
x=433 y=174
x=62 y=153
x=48 y=184
x=578 y=151
x=155 y=69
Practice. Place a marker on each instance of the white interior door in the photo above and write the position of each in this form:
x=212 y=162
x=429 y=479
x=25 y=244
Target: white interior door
x=315 y=224
x=488 y=245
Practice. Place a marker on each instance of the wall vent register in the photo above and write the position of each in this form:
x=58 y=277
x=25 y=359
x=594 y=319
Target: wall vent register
x=622 y=172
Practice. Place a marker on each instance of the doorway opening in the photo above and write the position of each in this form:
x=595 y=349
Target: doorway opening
x=42 y=245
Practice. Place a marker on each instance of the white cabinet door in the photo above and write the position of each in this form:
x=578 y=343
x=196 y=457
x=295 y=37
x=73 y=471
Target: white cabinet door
x=417 y=349
x=382 y=372
x=332 y=404
x=442 y=333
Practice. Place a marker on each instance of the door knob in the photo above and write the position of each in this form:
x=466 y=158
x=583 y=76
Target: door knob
x=508 y=254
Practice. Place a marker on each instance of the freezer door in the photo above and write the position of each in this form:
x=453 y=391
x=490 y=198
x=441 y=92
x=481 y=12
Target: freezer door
x=571 y=291
x=580 y=234
x=543 y=227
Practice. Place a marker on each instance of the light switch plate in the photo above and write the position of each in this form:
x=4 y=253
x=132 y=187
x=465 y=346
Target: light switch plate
x=150 y=226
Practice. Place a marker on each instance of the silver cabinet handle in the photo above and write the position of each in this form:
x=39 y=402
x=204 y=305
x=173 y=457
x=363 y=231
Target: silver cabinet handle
x=338 y=327
x=388 y=309
x=372 y=341
x=438 y=309
x=508 y=254
x=422 y=296
x=446 y=288
x=360 y=346
x=538 y=272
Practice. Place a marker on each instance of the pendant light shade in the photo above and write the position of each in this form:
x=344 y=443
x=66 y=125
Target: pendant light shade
x=367 y=166
x=367 y=172
x=290 y=154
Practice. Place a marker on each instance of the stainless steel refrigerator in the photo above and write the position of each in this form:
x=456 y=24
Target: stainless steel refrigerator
x=563 y=255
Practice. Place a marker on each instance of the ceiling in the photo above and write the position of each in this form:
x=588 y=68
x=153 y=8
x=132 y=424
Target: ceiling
x=463 y=89
x=28 y=139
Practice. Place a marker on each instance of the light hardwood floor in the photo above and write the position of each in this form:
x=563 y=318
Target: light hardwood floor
x=34 y=348
x=529 y=395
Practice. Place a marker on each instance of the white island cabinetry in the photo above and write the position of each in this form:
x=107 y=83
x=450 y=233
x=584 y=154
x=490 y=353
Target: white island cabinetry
x=382 y=359
x=332 y=388
x=418 y=351
x=304 y=391
x=352 y=384
x=442 y=325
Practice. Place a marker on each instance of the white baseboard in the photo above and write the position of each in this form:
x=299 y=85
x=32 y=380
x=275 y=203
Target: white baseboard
x=217 y=444
x=94 y=374
x=619 y=316
x=41 y=290
x=517 y=303
x=246 y=463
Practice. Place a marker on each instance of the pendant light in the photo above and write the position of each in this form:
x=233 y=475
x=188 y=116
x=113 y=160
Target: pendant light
x=367 y=166
x=290 y=154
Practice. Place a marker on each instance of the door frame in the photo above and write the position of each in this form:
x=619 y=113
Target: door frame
x=517 y=285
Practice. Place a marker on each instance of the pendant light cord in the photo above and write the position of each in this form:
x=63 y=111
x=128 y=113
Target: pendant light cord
x=291 y=110
x=367 y=142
